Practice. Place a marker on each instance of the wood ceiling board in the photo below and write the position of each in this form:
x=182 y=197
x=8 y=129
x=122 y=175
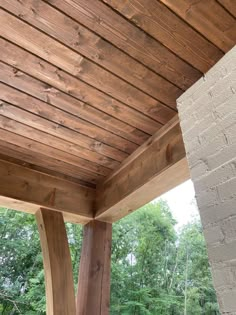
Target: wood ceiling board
x=38 y=147
x=14 y=158
x=74 y=35
x=47 y=163
x=91 y=153
x=17 y=79
x=229 y=5
x=61 y=56
x=31 y=187
x=83 y=89
x=93 y=150
x=65 y=119
x=111 y=26
x=52 y=141
x=209 y=18
x=173 y=32
x=159 y=166
x=55 y=77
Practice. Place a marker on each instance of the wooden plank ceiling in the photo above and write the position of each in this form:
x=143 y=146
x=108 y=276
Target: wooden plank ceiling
x=84 y=83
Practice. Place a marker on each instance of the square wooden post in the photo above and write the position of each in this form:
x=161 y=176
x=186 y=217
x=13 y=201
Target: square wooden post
x=93 y=297
x=57 y=263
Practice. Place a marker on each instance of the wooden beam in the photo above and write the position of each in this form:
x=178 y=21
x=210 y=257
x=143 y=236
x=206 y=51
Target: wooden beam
x=57 y=263
x=156 y=167
x=45 y=164
x=93 y=295
x=26 y=189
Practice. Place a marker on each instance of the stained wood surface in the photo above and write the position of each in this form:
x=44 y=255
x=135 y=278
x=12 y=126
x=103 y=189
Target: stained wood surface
x=90 y=45
x=49 y=165
x=67 y=59
x=55 y=77
x=84 y=84
x=9 y=153
x=173 y=32
x=211 y=20
x=60 y=296
x=79 y=129
x=51 y=141
x=142 y=47
x=37 y=189
x=46 y=93
x=39 y=148
x=229 y=5
x=93 y=296
x=156 y=167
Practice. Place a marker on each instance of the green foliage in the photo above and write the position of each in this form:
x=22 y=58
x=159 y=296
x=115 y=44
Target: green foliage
x=149 y=263
x=149 y=266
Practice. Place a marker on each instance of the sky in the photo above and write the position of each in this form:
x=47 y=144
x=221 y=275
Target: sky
x=181 y=201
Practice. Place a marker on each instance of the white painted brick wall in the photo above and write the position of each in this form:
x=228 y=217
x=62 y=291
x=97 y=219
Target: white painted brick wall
x=207 y=114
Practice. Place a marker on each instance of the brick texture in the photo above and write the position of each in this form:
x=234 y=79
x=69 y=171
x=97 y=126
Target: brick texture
x=207 y=114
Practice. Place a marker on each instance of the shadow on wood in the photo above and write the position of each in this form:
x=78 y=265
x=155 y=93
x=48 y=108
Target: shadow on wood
x=57 y=263
x=93 y=297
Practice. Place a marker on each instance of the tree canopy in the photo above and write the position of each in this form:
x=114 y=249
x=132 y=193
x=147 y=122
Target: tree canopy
x=155 y=270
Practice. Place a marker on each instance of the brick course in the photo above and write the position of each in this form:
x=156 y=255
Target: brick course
x=207 y=114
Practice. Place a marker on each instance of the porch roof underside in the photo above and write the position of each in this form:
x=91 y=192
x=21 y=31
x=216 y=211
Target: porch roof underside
x=88 y=98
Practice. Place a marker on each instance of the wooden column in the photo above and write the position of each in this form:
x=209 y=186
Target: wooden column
x=93 y=297
x=57 y=263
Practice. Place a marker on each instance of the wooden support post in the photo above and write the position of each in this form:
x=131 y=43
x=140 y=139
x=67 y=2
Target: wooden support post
x=93 y=297
x=57 y=263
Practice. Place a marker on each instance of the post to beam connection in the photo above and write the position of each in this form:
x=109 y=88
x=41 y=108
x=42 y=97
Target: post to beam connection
x=57 y=263
x=93 y=297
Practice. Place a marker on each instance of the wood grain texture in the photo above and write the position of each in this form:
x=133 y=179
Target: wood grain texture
x=93 y=295
x=90 y=45
x=31 y=39
x=26 y=185
x=13 y=157
x=229 y=5
x=49 y=165
x=15 y=113
x=59 y=282
x=166 y=27
x=36 y=147
x=54 y=77
x=158 y=166
x=209 y=18
x=118 y=31
x=86 y=131
x=46 y=93
x=53 y=142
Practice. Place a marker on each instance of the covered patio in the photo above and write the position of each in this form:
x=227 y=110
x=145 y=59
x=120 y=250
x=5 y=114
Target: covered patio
x=90 y=131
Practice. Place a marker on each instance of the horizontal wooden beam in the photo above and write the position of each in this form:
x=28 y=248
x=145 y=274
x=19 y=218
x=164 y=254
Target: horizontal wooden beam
x=27 y=190
x=156 y=167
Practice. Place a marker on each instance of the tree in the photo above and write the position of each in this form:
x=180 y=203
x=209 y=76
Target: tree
x=149 y=264
x=201 y=298
x=21 y=265
x=156 y=270
x=22 y=288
